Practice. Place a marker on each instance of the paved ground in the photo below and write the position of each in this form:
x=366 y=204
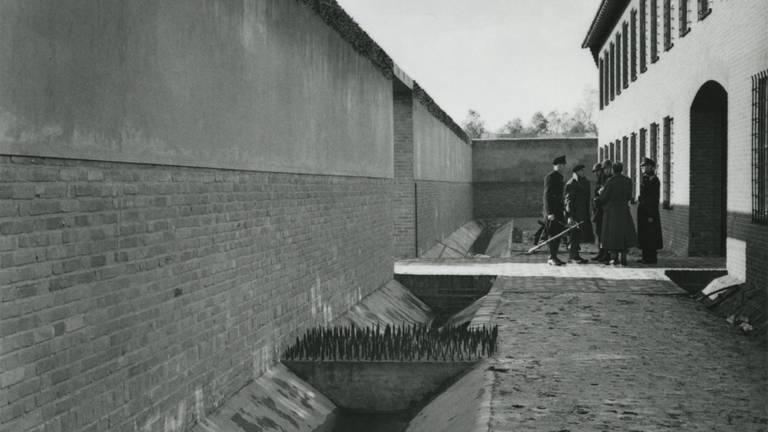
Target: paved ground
x=599 y=349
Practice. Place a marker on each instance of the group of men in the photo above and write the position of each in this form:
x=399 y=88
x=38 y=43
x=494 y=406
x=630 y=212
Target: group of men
x=570 y=205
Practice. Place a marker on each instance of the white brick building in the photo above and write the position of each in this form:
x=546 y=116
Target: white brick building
x=684 y=82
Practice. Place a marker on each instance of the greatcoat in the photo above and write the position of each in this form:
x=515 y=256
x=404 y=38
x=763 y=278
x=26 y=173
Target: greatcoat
x=577 y=204
x=618 y=230
x=597 y=208
x=649 y=232
x=554 y=202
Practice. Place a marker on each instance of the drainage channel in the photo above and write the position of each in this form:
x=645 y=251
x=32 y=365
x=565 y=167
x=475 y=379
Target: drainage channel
x=396 y=351
x=396 y=361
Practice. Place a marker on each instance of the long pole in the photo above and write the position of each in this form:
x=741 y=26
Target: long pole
x=540 y=245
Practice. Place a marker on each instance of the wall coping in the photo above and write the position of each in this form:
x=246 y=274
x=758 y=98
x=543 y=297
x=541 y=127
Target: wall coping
x=338 y=19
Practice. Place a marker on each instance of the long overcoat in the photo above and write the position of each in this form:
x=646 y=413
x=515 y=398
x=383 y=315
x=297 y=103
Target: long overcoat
x=554 y=203
x=577 y=205
x=648 y=220
x=597 y=208
x=618 y=230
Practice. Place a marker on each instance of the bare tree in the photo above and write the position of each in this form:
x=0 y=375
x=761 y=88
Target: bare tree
x=513 y=127
x=474 y=125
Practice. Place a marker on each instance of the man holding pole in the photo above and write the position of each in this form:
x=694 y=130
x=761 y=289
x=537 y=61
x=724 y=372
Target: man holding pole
x=577 y=205
x=554 y=208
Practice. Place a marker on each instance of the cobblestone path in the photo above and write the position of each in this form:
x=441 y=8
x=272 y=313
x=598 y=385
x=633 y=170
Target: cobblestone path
x=605 y=354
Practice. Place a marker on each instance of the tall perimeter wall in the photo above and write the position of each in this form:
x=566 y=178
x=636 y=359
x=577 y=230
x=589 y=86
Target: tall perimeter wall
x=508 y=174
x=433 y=171
x=185 y=186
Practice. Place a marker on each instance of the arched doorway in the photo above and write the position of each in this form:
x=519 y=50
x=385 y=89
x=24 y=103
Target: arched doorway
x=708 y=180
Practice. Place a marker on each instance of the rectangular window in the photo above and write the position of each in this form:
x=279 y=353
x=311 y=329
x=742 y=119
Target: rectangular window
x=633 y=163
x=618 y=150
x=600 y=154
x=654 y=144
x=643 y=142
x=600 y=78
x=612 y=151
x=760 y=148
x=618 y=64
x=611 y=74
x=684 y=25
x=704 y=9
x=667 y=166
x=668 y=25
x=606 y=80
x=654 y=31
x=625 y=153
x=643 y=37
x=633 y=43
x=625 y=55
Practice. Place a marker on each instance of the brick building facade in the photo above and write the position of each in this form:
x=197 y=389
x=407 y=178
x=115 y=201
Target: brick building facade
x=683 y=82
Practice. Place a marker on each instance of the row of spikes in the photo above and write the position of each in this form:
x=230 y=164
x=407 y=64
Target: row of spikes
x=394 y=343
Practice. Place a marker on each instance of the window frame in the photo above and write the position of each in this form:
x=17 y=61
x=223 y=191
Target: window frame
x=633 y=43
x=625 y=54
x=633 y=163
x=704 y=9
x=643 y=36
x=612 y=74
x=667 y=25
x=666 y=175
x=654 y=31
x=618 y=63
x=685 y=26
x=760 y=148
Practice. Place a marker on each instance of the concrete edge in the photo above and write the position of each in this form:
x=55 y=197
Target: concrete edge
x=465 y=406
x=486 y=314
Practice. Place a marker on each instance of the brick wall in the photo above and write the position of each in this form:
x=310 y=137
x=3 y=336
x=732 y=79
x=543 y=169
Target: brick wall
x=404 y=189
x=441 y=208
x=675 y=225
x=136 y=297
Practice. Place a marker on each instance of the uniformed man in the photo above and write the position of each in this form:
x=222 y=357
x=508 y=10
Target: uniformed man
x=577 y=211
x=618 y=232
x=603 y=171
x=648 y=222
x=554 y=207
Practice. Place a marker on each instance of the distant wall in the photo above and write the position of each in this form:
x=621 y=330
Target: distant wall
x=508 y=174
x=257 y=85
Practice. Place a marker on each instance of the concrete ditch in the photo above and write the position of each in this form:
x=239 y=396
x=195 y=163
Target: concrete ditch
x=384 y=396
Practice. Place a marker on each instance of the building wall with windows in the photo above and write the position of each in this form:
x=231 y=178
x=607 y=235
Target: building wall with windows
x=688 y=55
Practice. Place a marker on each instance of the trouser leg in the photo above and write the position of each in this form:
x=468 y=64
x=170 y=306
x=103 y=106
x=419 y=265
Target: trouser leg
x=650 y=255
x=554 y=246
x=573 y=246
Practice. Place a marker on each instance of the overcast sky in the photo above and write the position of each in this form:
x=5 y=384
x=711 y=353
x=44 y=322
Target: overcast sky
x=503 y=58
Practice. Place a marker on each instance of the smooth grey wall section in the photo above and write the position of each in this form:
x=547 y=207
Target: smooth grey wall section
x=439 y=154
x=529 y=159
x=252 y=84
x=508 y=174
